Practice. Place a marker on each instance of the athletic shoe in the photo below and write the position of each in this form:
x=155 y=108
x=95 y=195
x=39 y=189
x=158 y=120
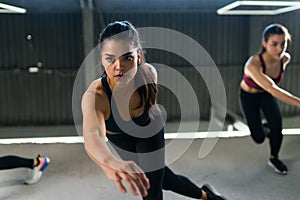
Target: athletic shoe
x=211 y=193
x=278 y=166
x=36 y=173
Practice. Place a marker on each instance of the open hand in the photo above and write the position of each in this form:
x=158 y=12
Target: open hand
x=127 y=172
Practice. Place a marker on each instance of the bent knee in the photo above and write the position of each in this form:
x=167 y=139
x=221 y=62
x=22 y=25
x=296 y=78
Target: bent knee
x=258 y=139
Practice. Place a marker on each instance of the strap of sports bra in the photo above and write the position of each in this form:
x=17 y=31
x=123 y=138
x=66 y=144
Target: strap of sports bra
x=106 y=86
x=262 y=63
x=281 y=65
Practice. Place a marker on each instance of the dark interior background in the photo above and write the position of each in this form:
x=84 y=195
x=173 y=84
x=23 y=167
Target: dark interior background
x=58 y=35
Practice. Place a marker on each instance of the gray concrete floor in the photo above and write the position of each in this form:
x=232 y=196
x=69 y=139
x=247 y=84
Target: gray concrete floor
x=237 y=167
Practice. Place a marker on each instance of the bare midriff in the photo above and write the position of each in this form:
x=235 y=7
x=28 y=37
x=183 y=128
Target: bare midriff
x=249 y=89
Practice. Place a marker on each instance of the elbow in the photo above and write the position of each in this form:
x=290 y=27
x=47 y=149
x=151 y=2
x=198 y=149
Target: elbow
x=86 y=142
x=271 y=89
x=88 y=152
x=86 y=149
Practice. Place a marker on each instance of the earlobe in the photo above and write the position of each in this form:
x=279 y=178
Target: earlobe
x=139 y=58
x=264 y=44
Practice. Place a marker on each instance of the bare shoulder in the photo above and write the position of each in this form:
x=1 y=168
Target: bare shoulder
x=94 y=88
x=151 y=67
x=254 y=60
x=95 y=96
x=152 y=70
x=286 y=58
x=253 y=64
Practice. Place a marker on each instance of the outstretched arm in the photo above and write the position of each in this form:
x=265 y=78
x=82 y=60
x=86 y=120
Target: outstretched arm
x=254 y=71
x=116 y=170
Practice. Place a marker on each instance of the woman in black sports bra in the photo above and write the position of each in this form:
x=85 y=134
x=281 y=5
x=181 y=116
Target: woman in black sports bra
x=121 y=106
x=260 y=91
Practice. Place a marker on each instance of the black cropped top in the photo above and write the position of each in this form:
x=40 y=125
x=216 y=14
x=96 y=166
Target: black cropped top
x=111 y=124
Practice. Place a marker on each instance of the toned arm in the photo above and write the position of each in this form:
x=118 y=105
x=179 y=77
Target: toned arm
x=118 y=171
x=254 y=71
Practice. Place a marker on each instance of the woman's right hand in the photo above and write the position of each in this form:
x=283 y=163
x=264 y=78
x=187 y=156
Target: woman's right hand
x=127 y=172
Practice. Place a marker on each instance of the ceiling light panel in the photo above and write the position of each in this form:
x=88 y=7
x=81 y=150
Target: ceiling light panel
x=279 y=8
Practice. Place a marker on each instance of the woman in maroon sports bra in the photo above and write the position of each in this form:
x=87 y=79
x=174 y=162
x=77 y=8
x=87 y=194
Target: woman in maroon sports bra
x=259 y=91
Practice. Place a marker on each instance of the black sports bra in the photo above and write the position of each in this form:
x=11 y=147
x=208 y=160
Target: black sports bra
x=111 y=124
x=277 y=80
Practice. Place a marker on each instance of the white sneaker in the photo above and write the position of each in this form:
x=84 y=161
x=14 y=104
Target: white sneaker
x=35 y=174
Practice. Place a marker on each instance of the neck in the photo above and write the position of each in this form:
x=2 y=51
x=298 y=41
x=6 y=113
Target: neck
x=269 y=59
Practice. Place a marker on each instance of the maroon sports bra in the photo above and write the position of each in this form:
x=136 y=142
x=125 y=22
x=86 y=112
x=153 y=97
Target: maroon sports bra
x=277 y=80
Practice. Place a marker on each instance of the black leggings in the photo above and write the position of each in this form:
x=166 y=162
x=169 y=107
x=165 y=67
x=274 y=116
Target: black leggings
x=162 y=178
x=251 y=105
x=11 y=162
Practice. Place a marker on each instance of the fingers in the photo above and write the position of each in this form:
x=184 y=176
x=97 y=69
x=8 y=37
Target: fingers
x=134 y=178
x=143 y=185
x=146 y=181
x=140 y=179
x=120 y=186
x=132 y=184
x=129 y=181
x=139 y=172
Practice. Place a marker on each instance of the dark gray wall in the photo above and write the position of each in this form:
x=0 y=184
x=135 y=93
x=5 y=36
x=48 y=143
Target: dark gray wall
x=224 y=37
x=56 y=41
x=45 y=97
